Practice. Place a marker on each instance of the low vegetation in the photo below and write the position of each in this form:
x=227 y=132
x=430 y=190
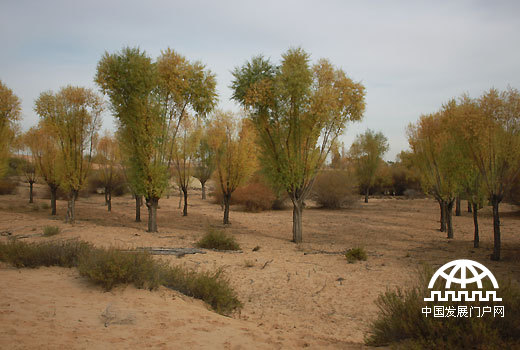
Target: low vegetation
x=219 y=240
x=111 y=267
x=334 y=189
x=401 y=322
x=51 y=231
x=356 y=254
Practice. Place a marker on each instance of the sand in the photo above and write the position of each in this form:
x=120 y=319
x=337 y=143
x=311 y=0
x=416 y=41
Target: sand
x=294 y=296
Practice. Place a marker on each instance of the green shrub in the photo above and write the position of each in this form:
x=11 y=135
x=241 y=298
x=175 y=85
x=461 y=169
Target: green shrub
x=212 y=287
x=50 y=231
x=110 y=267
x=334 y=189
x=402 y=323
x=356 y=254
x=21 y=254
x=219 y=240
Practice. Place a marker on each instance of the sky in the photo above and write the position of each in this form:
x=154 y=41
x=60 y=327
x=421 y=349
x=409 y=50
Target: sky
x=412 y=56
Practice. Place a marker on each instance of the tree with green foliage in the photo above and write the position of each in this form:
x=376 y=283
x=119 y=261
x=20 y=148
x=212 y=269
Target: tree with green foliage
x=45 y=153
x=367 y=151
x=72 y=117
x=490 y=128
x=232 y=140
x=10 y=113
x=150 y=100
x=298 y=111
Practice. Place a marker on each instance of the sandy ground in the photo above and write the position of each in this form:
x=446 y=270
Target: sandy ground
x=294 y=296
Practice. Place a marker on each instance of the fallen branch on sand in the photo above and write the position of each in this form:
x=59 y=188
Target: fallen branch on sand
x=179 y=252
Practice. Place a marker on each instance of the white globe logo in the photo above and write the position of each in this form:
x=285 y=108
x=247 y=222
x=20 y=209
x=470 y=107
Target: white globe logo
x=470 y=272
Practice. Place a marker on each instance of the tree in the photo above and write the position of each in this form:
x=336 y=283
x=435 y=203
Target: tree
x=490 y=128
x=204 y=162
x=150 y=100
x=108 y=159
x=298 y=111
x=232 y=140
x=28 y=165
x=72 y=116
x=436 y=155
x=367 y=151
x=184 y=152
x=10 y=113
x=44 y=151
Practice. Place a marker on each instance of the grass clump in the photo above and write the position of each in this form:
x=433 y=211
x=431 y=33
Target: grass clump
x=32 y=255
x=111 y=267
x=219 y=240
x=356 y=254
x=402 y=324
x=51 y=231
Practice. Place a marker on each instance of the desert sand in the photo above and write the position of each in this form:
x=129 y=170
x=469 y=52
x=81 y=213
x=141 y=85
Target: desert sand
x=294 y=296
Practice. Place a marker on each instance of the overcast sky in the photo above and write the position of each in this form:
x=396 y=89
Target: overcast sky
x=412 y=56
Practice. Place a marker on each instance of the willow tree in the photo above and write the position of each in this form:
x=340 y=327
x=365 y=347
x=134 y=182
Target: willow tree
x=298 y=110
x=367 y=151
x=184 y=153
x=232 y=140
x=491 y=131
x=436 y=155
x=72 y=116
x=44 y=151
x=108 y=159
x=204 y=161
x=150 y=99
x=10 y=112
x=28 y=165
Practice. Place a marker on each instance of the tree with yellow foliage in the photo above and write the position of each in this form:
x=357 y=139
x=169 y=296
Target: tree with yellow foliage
x=72 y=117
x=10 y=113
x=235 y=153
x=108 y=159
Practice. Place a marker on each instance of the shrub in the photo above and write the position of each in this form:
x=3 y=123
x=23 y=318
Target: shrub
x=8 y=186
x=255 y=197
x=21 y=254
x=110 y=267
x=402 y=323
x=50 y=231
x=212 y=287
x=218 y=239
x=334 y=189
x=356 y=254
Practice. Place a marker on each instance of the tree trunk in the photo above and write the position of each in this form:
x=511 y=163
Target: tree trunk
x=475 y=224
x=152 y=204
x=109 y=199
x=297 y=221
x=469 y=206
x=71 y=207
x=443 y=215
x=495 y=201
x=203 y=190
x=138 y=200
x=53 y=189
x=185 y=210
x=31 y=191
x=457 y=206
x=227 y=200
x=366 y=195
x=449 y=221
